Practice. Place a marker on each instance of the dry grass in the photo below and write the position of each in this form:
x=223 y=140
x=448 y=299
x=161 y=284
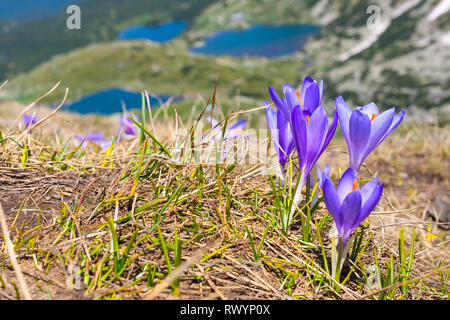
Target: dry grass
x=135 y=224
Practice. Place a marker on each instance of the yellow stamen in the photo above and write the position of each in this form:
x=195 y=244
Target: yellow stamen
x=298 y=95
x=307 y=118
x=355 y=185
x=374 y=115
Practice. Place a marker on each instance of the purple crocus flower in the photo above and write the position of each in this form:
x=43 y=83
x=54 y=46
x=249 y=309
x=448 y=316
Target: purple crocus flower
x=311 y=134
x=95 y=139
x=213 y=122
x=91 y=137
x=128 y=129
x=281 y=133
x=309 y=125
x=308 y=93
x=104 y=144
x=309 y=97
x=30 y=119
x=308 y=120
x=128 y=126
x=235 y=131
x=211 y=139
x=365 y=128
x=322 y=175
x=348 y=204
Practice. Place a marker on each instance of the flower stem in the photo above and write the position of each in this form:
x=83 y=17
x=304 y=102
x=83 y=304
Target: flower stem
x=306 y=226
x=337 y=274
x=281 y=174
x=297 y=197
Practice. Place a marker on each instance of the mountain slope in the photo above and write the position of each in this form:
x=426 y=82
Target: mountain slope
x=28 y=44
x=158 y=68
x=403 y=62
x=18 y=12
x=406 y=65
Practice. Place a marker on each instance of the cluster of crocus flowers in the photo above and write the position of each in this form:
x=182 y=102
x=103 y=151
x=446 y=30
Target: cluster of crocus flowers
x=301 y=120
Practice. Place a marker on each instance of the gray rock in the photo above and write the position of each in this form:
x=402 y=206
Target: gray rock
x=439 y=210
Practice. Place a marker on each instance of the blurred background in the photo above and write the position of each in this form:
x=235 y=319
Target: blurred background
x=395 y=53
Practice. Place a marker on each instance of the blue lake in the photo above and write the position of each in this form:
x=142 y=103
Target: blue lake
x=110 y=101
x=259 y=40
x=161 y=33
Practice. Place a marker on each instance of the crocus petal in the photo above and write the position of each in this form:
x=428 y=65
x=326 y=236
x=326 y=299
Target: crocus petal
x=94 y=137
x=397 y=119
x=30 y=119
x=368 y=189
x=271 y=117
x=238 y=125
x=326 y=172
x=330 y=134
x=130 y=130
x=322 y=175
x=351 y=208
x=123 y=121
x=326 y=141
x=331 y=199
x=235 y=131
x=291 y=98
x=287 y=88
x=105 y=144
x=285 y=137
x=345 y=185
x=280 y=131
x=306 y=82
x=359 y=133
x=312 y=97
x=379 y=126
x=127 y=125
x=212 y=122
x=370 y=109
x=319 y=175
x=370 y=204
x=316 y=133
x=279 y=103
x=78 y=137
x=344 y=113
x=126 y=121
x=320 y=92
x=91 y=139
x=298 y=126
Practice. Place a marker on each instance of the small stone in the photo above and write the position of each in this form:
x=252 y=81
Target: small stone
x=439 y=210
